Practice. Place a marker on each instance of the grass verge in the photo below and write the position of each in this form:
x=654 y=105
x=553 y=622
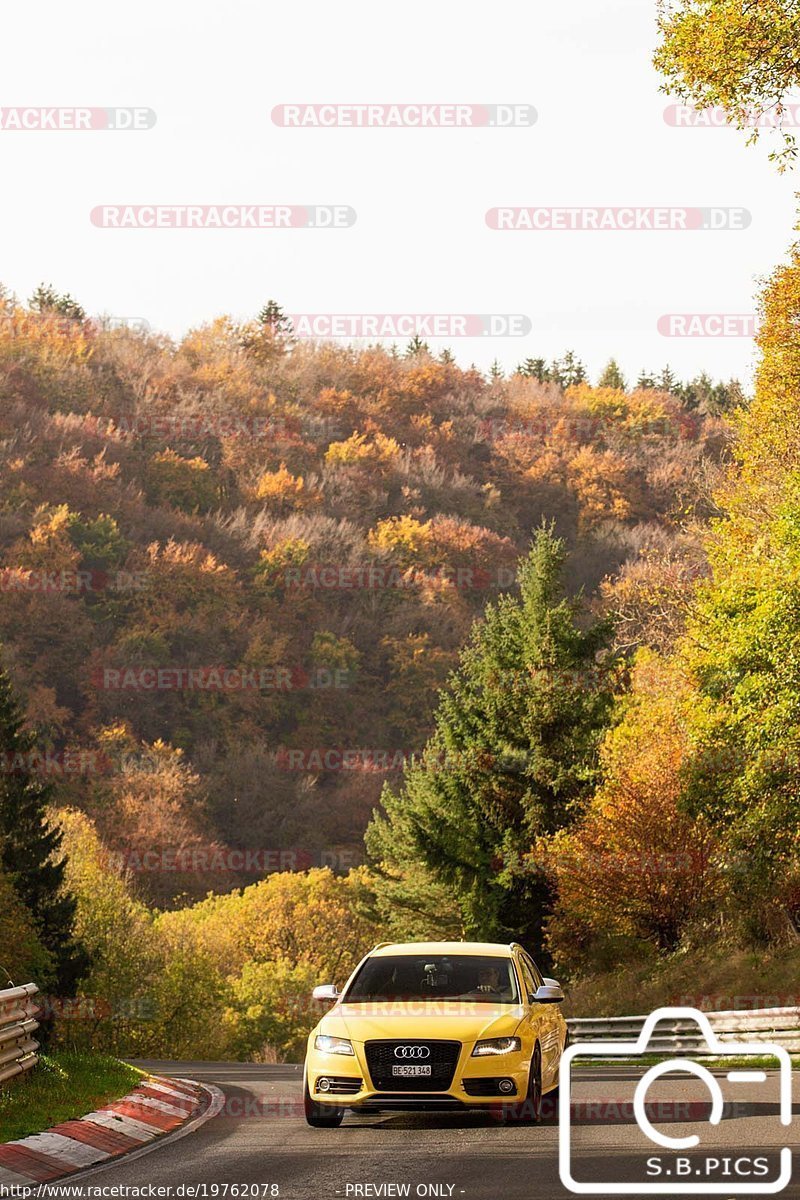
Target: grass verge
x=65 y=1085
x=719 y=977
x=764 y=1062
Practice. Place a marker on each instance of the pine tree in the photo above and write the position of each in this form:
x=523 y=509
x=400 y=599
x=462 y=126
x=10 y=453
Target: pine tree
x=47 y=300
x=645 y=380
x=416 y=346
x=668 y=381
x=496 y=372
x=708 y=397
x=512 y=757
x=568 y=371
x=612 y=377
x=725 y=397
x=447 y=357
x=555 y=373
x=534 y=368
x=29 y=844
x=273 y=318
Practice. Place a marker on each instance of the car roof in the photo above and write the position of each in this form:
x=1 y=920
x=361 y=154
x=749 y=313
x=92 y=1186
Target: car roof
x=488 y=949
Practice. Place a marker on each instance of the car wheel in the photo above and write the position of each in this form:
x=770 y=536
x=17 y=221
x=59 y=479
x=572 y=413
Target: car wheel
x=529 y=1112
x=320 y=1116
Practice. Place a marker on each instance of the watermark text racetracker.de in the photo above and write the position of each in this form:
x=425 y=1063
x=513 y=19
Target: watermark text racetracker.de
x=21 y=324
x=687 y=116
x=223 y=216
x=403 y=116
x=45 y=119
x=70 y=581
x=221 y=678
x=372 y=576
x=190 y=425
x=402 y=325
x=225 y=860
x=708 y=325
x=620 y=219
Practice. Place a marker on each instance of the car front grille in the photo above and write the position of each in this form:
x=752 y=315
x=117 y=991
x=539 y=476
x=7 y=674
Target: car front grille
x=442 y=1058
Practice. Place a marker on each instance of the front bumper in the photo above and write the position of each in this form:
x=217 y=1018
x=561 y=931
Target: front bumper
x=475 y=1083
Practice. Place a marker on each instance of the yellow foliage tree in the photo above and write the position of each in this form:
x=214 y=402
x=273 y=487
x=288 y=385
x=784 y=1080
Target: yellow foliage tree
x=282 y=490
x=406 y=538
x=361 y=449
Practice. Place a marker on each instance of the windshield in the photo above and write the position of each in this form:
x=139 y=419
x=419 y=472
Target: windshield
x=435 y=977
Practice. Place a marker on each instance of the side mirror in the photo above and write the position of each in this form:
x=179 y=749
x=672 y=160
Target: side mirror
x=325 y=991
x=549 y=993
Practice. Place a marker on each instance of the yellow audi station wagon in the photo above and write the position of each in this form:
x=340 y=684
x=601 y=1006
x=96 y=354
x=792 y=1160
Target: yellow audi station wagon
x=436 y=1026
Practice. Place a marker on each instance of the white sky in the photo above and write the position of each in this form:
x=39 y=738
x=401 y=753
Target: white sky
x=213 y=72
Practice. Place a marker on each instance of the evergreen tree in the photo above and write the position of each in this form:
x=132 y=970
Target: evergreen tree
x=47 y=300
x=447 y=357
x=416 y=346
x=645 y=380
x=29 y=845
x=567 y=371
x=534 y=368
x=612 y=377
x=725 y=397
x=496 y=372
x=708 y=397
x=273 y=318
x=555 y=373
x=668 y=381
x=512 y=757
x=269 y=337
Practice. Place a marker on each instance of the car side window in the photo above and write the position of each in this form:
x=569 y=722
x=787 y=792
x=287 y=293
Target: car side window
x=534 y=970
x=528 y=978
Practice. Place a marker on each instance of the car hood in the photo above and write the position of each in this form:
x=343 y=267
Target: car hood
x=461 y=1021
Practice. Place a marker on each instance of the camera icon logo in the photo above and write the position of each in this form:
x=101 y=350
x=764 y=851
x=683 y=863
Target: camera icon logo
x=674 y=1172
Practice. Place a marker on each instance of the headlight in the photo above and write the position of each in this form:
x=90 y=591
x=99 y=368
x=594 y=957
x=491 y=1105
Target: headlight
x=333 y=1045
x=496 y=1046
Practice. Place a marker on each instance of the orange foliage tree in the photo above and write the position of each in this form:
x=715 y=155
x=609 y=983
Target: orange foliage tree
x=636 y=867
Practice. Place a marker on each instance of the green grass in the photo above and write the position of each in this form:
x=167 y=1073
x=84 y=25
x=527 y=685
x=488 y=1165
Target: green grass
x=63 y=1086
x=718 y=976
x=764 y=1062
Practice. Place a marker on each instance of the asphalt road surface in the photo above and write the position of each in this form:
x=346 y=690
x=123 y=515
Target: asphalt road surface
x=260 y=1138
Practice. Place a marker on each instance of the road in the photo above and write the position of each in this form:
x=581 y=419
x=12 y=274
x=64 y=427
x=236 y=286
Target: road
x=260 y=1137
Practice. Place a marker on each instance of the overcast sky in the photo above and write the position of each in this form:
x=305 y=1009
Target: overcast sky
x=213 y=74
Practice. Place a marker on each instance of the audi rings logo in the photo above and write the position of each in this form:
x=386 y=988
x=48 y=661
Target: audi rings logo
x=412 y=1051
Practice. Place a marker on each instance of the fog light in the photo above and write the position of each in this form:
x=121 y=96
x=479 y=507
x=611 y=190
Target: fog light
x=323 y=1085
x=506 y=1086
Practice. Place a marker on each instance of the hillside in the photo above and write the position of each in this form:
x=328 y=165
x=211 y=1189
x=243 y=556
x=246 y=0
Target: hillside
x=236 y=570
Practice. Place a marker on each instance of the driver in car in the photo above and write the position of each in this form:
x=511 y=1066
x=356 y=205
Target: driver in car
x=488 y=981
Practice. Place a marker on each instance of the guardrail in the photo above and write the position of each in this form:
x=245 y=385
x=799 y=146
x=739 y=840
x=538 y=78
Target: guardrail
x=17 y=1022
x=779 y=1025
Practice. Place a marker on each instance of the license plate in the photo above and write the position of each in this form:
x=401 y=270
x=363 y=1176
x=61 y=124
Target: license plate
x=409 y=1070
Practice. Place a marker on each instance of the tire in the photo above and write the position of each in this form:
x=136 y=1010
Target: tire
x=320 y=1116
x=550 y=1106
x=529 y=1112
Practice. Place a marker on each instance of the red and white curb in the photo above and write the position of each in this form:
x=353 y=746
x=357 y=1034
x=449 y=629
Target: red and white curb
x=157 y=1107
